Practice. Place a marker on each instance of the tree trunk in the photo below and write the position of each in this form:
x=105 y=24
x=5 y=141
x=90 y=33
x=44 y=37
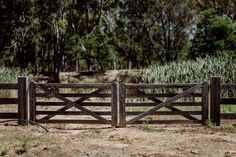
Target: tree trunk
x=58 y=56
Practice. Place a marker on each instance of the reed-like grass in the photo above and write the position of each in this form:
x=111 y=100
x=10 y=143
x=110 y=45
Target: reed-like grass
x=196 y=71
x=9 y=75
x=193 y=71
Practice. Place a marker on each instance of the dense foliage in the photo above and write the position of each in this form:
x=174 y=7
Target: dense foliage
x=66 y=35
x=197 y=71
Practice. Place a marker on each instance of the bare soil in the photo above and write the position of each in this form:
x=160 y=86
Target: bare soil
x=132 y=141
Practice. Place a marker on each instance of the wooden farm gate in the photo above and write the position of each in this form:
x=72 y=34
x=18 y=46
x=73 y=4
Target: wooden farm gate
x=13 y=100
x=223 y=100
x=73 y=103
x=108 y=104
x=141 y=103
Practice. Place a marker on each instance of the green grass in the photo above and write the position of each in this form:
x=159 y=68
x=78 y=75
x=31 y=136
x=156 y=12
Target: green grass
x=209 y=124
x=23 y=147
x=148 y=128
x=3 y=152
x=16 y=142
x=8 y=75
x=193 y=71
x=229 y=128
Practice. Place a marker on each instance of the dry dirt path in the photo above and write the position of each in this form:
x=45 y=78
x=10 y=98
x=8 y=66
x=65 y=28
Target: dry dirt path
x=136 y=141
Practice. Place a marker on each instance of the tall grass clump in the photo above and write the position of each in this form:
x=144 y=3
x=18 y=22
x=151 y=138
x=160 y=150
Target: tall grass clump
x=193 y=71
x=9 y=75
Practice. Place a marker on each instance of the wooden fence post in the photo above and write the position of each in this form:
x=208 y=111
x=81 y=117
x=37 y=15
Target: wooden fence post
x=32 y=94
x=205 y=100
x=22 y=100
x=215 y=100
x=122 y=111
x=114 y=105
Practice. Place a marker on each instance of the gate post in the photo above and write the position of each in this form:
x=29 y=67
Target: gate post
x=32 y=101
x=205 y=100
x=215 y=100
x=114 y=104
x=122 y=114
x=22 y=100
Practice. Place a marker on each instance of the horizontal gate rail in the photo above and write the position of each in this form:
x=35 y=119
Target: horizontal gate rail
x=75 y=85
x=73 y=112
x=134 y=91
x=76 y=95
x=154 y=104
x=18 y=104
x=6 y=101
x=8 y=86
x=163 y=85
x=164 y=104
x=78 y=104
x=81 y=103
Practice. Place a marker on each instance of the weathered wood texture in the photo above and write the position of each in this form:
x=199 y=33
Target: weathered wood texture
x=32 y=101
x=8 y=115
x=205 y=100
x=217 y=101
x=227 y=101
x=8 y=86
x=114 y=106
x=102 y=91
x=7 y=101
x=228 y=115
x=122 y=108
x=136 y=91
x=20 y=102
x=114 y=102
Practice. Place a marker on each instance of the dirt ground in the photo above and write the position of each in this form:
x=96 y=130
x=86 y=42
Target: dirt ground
x=132 y=141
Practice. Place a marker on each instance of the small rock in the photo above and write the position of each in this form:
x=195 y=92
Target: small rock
x=194 y=152
x=178 y=148
x=45 y=148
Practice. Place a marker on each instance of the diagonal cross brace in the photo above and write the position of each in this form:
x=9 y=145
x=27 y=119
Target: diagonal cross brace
x=79 y=101
x=76 y=104
x=164 y=104
x=157 y=101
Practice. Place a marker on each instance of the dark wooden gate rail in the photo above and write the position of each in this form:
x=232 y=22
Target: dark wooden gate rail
x=135 y=91
x=20 y=101
x=217 y=101
x=22 y=113
x=78 y=104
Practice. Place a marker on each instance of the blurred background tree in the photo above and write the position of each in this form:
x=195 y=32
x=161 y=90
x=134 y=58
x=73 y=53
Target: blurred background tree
x=51 y=36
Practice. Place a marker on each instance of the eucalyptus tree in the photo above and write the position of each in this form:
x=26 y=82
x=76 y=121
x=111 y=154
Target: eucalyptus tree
x=157 y=29
x=221 y=7
x=18 y=45
x=214 y=34
x=214 y=27
x=91 y=25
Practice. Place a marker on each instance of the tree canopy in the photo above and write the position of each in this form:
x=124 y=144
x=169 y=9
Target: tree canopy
x=68 y=35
